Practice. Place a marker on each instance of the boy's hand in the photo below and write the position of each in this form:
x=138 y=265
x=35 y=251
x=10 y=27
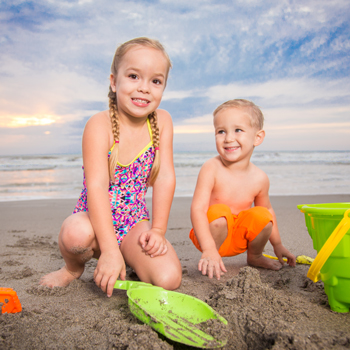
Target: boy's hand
x=153 y=242
x=211 y=264
x=110 y=265
x=281 y=252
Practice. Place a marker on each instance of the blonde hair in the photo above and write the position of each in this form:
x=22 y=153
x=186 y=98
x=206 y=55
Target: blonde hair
x=256 y=116
x=119 y=54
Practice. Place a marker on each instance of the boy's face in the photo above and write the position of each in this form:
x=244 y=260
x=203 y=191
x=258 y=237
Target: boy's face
x=235 y=136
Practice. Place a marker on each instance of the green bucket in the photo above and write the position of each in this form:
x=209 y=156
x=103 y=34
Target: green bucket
x=329 y=229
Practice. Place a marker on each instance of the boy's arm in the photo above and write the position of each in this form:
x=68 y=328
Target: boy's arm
x=263 y=200
x=210 y=263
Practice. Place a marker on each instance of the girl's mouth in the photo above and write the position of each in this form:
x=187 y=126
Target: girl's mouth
x=140 y=102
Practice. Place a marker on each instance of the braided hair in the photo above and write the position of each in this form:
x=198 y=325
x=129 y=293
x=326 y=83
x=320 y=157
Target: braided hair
x=113 y=109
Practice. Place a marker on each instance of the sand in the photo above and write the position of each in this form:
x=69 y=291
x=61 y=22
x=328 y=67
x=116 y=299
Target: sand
x=264 y=309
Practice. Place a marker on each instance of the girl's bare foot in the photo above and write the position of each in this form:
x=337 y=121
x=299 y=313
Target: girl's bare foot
x=262 y=261
x=60 y=278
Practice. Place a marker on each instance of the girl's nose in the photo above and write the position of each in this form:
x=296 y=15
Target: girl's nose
x=143 y=87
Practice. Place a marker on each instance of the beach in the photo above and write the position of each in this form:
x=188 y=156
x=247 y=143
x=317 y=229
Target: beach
x=264 y=309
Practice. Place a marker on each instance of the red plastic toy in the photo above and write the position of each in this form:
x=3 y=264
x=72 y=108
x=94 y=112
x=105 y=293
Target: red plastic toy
x=9 y=301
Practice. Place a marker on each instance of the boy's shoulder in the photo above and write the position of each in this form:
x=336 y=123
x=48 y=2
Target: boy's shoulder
x=212 y=163
x=258 y=175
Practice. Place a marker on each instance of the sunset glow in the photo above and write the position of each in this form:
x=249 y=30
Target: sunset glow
x=22 y=121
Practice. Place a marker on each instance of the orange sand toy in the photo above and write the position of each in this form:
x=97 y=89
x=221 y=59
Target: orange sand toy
x=9 y=301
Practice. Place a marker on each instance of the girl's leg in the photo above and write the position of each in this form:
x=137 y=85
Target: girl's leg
x=164 y=271
x=78 y=244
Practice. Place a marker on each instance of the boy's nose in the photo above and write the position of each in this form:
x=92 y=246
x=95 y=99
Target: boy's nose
x=229 y=137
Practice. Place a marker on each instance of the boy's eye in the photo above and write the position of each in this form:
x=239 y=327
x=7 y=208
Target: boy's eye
x=238 y=130
x=133 y=76
x=221 y=131
x=157 y=81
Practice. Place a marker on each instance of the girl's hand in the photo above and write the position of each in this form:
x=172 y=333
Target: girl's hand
x=110 y=265
x=211 y=264
x=153 y=242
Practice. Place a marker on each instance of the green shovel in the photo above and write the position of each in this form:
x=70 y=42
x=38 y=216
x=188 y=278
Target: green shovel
x=178 y=316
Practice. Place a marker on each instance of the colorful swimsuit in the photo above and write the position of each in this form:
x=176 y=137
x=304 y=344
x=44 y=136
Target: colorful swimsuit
x=127 y=194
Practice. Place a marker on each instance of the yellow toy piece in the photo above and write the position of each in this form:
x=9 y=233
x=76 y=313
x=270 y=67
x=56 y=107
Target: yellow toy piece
x=301 y=259
x=9 y=301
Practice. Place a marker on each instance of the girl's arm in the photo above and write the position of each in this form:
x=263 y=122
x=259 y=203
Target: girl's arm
x=97 y=140
x=211 y=262
x=153 y=242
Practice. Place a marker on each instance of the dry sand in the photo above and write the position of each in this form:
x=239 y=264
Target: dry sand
x=264 y=309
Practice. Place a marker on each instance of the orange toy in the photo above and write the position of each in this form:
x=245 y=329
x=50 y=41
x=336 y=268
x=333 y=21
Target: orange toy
x=9 y=300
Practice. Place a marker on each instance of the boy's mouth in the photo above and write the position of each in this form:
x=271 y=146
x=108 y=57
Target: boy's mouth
x=234 y=148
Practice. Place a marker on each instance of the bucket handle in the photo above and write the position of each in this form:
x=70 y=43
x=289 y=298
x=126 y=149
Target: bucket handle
x=327 y=249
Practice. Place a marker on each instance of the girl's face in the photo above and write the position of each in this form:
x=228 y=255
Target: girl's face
x=140 y=81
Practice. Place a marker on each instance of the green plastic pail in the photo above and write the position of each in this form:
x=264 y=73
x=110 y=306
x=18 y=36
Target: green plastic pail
x=321 y=220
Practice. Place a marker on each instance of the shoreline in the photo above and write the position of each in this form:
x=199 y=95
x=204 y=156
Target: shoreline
x=175 y=197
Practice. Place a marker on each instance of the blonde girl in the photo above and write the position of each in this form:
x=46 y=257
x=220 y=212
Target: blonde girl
x=125 y=150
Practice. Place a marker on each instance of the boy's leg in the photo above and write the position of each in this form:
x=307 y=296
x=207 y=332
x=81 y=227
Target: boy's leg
x=220 y=223
x=164 y=271
x=256 y=248
x=257 y=217
x=218 y=229
x=78 y=245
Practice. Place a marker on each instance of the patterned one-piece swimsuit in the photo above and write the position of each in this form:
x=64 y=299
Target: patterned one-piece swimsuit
x=127 y=193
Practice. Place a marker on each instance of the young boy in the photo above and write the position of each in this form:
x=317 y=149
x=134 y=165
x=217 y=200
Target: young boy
x=224 y=221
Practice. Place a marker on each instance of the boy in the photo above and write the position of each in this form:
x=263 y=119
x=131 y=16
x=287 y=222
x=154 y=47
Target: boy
x=224 y=221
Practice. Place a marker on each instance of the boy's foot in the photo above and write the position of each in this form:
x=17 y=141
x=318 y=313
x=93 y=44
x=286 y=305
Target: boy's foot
x=264 y=262
x=60 y=278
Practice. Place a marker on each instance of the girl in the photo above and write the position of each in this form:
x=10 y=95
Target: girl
x=125 y=150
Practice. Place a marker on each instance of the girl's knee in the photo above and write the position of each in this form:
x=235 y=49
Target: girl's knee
x=169 y=279
x=75 y=233
x=168 y=282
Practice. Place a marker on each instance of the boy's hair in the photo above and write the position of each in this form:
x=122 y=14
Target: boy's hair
x=256 y=116
x=118 y=56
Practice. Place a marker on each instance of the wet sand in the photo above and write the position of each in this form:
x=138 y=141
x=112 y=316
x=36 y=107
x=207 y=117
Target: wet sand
x=264 y=309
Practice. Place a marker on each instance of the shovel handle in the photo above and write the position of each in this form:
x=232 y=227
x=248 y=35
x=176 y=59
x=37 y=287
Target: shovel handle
x=126 y=285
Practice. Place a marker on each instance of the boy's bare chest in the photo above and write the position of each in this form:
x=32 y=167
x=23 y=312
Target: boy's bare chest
x=237 y=191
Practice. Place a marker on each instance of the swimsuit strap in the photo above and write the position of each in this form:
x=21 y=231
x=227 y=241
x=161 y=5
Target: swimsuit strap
x=150 y=134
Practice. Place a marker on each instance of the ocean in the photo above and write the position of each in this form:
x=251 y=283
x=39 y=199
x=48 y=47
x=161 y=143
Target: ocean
x=290 y=173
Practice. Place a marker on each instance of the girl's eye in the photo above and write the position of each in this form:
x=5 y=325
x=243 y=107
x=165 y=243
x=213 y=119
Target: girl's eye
x=133 y=76
x=238 y=130
x=221 y=132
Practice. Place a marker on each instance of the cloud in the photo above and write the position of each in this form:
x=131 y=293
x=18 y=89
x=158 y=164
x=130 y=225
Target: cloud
x=290 y=57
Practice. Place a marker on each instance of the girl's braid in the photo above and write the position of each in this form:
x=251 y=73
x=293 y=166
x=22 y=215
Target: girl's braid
x=153 y=119
x=113 y=159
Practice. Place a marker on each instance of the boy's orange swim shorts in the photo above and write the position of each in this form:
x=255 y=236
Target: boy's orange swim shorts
x=242 y=228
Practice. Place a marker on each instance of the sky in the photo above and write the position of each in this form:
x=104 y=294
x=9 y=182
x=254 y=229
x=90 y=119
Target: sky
x=291 y=58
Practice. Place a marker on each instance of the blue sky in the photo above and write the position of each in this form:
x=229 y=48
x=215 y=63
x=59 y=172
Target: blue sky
x=292 y=58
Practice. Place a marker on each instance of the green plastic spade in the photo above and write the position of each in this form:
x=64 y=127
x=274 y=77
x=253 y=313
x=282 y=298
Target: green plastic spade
x=178 y=316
